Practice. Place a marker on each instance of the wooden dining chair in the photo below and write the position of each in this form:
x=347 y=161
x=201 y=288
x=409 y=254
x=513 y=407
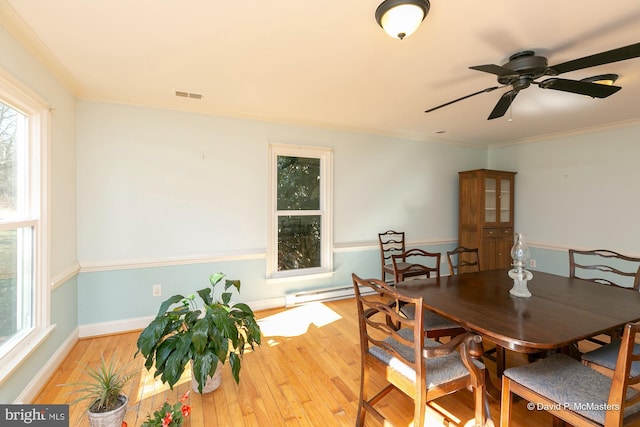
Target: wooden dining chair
x=420 y=263
x=394 y=348
x=391 y=243
x=575 y=393
x=606 y=268
x=413 y=263
x=463 y=260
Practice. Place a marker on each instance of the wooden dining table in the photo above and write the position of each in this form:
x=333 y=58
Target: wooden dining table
x=560 y=311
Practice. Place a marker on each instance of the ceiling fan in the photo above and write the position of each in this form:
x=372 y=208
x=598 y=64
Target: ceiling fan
x=525 y=67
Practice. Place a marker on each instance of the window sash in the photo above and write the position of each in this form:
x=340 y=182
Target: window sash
x=30 y=218
x=324 y=211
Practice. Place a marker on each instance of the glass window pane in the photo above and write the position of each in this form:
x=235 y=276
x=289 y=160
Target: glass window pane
x=490 y=198
x=12 y=125
x=505 y=200
x=298 y=242
x=16 y=282
x=298 y=183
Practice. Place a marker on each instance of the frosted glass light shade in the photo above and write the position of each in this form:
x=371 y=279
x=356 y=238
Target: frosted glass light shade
x=401 y=18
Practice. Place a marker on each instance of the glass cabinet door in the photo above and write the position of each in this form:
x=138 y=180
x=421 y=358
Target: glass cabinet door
x=497 y=200
x=490 y=199
x=505 y=200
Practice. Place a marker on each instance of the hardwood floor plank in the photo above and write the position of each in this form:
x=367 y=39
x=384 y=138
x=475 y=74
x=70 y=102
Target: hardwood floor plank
x=306 y=373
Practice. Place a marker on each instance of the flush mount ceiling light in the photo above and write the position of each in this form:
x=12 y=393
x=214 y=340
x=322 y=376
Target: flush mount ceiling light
x=401 y=18
x=603 y=79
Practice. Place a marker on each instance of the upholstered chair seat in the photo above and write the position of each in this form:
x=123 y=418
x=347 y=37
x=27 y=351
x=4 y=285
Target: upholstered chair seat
x=432 y=321
x=440 y=370
x=605 y=358
x=569 y=383
x=575 y=393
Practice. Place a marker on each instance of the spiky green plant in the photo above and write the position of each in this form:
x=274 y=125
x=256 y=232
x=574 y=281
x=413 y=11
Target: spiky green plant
x=103 y=390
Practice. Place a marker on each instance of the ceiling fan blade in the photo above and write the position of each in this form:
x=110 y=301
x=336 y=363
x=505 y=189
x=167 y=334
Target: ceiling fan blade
x=495 y=69
x=594 y=90
x=503 y=105
x=489 y=89
x=614 y=55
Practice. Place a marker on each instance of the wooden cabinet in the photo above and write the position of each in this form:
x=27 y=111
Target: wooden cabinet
x=486 y=215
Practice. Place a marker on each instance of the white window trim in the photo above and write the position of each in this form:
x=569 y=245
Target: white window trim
x=20 y=97
x=326 y=210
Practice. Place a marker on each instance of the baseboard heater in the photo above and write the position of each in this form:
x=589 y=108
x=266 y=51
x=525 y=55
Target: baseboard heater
x=305 y=297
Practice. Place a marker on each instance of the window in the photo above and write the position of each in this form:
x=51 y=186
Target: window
x=23 y=286
x=300 y=224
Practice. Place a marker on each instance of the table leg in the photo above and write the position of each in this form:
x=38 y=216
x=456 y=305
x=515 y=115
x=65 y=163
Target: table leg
x=476 y=353
x=500 y=360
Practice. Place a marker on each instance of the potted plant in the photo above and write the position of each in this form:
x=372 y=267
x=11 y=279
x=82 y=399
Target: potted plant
x=103 y=392
x=204 y=336
x=168 y=415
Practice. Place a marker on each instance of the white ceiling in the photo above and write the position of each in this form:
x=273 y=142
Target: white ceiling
x=327 y=63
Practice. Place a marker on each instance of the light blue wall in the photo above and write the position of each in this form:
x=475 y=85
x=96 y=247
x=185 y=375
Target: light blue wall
x=577 y=190
x=17 y=62
x=157 y=186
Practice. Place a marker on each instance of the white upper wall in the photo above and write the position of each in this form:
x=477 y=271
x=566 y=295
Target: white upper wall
x=157 y=184
x=578 y=190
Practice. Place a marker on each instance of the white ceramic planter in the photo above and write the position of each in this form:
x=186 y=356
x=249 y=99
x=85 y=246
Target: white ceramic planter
x=109 y=419
x=212 y=382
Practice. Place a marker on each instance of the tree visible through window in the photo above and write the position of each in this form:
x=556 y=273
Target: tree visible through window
x=24 y=275
x=16 y=237
x=298 y=232
x=301 y=223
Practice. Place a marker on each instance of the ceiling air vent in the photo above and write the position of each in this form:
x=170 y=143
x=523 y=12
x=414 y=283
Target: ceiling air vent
x=188 y=95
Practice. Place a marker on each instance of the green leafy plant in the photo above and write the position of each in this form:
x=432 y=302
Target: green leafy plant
x=103 y=391
x=205 y=335
x=168 y=415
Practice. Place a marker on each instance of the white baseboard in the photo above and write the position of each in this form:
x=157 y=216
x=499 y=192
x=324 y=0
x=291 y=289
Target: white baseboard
x=267 y=304
x=126 y=325
x=42 y=376
x=114 y=327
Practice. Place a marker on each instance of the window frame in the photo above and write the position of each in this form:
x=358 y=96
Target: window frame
x=14 y=94
x=325 y=155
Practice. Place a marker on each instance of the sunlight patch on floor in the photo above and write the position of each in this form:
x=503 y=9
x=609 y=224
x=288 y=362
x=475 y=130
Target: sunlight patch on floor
x=150 y=386
x=296 y=321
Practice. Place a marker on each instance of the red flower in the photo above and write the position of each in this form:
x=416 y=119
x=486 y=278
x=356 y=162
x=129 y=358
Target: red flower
x=186 y=410
x=184 y=396
x=167 y=419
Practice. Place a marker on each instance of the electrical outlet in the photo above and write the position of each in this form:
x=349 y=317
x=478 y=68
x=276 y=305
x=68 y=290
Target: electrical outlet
x=157 y=290
x=533 y=263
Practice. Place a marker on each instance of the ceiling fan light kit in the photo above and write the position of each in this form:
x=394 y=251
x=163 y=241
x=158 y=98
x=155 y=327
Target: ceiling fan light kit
x=602 y=79
x=401 y=18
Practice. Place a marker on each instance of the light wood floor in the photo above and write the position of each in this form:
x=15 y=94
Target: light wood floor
x=306 y=373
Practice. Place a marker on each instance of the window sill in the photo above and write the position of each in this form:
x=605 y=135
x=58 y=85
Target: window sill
x=11 y=361
x=298 y=277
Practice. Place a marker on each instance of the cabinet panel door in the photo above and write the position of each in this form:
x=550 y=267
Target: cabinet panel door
x=488 y=254
x=503 y=252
